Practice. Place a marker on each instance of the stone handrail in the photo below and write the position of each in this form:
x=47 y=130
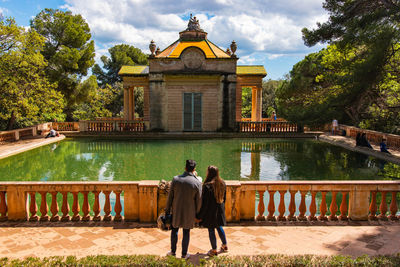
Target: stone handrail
x=267 y=126
x=143 y=200
x=15 y=135
x=393 y=141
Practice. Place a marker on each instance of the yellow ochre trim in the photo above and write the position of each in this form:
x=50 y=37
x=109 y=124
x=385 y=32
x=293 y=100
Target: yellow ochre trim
x=251 y=70
x=183 y=45
x=134 y=70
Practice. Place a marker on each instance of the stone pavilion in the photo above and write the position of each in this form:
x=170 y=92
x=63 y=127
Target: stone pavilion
x=192 y=85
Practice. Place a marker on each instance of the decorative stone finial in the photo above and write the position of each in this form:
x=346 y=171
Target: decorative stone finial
x=233 y=48
x=228 y=51
x=152 y=48
x=158 y=51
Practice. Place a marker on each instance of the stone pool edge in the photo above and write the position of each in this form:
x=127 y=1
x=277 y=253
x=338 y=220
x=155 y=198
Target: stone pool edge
x=349 y=144
x=26 y=145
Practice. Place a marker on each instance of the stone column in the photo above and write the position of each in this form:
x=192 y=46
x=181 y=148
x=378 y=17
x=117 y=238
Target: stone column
x=256 y=104
x=148 y=201
x=126 y=102
x=131 y=204
x=359 y=201
x=131 y=97
x=17 y=204
x=146 y=103
x=158 y=102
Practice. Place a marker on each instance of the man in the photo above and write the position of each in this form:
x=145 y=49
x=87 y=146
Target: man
x=184 y=202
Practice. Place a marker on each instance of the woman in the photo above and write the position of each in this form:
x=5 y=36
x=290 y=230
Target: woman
x=212 y=212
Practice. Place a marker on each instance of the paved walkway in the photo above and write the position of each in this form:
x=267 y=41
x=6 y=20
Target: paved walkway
x=12 y=148
x=350 y=144
x=82 y=239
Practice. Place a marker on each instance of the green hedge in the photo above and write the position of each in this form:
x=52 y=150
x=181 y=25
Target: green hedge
x=263 y=260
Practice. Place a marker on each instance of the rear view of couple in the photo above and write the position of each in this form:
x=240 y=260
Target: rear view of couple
x=190 y=202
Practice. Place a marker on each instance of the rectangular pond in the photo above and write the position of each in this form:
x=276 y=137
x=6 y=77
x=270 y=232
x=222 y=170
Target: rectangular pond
x=95 y=159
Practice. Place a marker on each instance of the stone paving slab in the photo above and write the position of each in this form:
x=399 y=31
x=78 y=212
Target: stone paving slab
x=84 y=239
x=13 y=148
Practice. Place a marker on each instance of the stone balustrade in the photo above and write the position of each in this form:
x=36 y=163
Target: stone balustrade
x=113 y=126
x=245 y=201
x=393 y=141
x=15 y=135
x=267 y=126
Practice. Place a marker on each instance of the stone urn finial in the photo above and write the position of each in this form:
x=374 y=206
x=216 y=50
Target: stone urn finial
x=152 y=47
x=158 y=51
x=228 y=51
x=233 y=48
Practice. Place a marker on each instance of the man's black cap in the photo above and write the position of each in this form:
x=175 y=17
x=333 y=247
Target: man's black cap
x=190 y=165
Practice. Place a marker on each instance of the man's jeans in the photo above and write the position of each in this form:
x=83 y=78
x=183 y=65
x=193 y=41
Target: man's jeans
x=213 y=240
x=185 y=240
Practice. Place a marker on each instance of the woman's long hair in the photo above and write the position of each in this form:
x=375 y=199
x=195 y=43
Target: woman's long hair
x=217 y=183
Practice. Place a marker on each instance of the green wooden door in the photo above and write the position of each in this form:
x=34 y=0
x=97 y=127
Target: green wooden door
x=192 y=120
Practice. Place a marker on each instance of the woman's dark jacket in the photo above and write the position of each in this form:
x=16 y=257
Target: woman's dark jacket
x=212 y=214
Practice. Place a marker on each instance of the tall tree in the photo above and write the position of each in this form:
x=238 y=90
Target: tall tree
x=371 y=27
x=26 y=95
x=120 y=55
x=69 y=51
x=268 y=97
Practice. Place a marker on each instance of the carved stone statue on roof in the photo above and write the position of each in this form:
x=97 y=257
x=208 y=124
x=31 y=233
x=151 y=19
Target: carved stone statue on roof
x=193 y=24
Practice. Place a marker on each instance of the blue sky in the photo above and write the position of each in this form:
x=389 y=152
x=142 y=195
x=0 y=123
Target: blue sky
x=268 y=32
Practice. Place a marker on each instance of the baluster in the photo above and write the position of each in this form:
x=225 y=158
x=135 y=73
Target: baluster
x=333 y=207
x=54 y=208
x=313 y=207
x=323 y=207
x=302 y=207
x=65 y=207
x=43 y=207
x=96 y=206
x=292 y=206
x=33 y=207
x=271 y=206
x=85 y=206
x=261 y=206
x=343 y=207
x=281 y=208
x=107 y=207
x=393 y=206
x=75 y=207
x=117 y=207
x=383 y=207
x=373 y=207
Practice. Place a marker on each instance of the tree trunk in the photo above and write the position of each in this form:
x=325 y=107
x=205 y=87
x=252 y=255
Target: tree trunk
x=11 y=122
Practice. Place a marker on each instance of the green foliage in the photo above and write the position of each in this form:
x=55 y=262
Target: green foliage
x=68 y=50
x=101 y=101
x=364 y=70
x=257 y=260
x=268 y=97
x=246 y=102
x=26 y=95
x=120 y=55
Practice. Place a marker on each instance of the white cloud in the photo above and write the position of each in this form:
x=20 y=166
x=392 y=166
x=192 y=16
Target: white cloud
x=258 y=26
x=3 y=11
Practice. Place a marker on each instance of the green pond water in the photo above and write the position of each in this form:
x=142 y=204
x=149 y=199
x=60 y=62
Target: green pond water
x=238 y=159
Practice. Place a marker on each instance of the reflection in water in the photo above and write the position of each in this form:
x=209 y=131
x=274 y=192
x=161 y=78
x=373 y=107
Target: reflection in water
x=255 y=159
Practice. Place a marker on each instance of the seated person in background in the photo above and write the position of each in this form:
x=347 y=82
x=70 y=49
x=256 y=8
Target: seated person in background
x=52 y=133
x=364 y=141
x=384 y=146
x=358 y=139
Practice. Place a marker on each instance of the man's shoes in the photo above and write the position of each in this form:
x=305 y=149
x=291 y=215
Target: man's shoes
x=170 y=253
x=186 y=257
x=212 y=253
